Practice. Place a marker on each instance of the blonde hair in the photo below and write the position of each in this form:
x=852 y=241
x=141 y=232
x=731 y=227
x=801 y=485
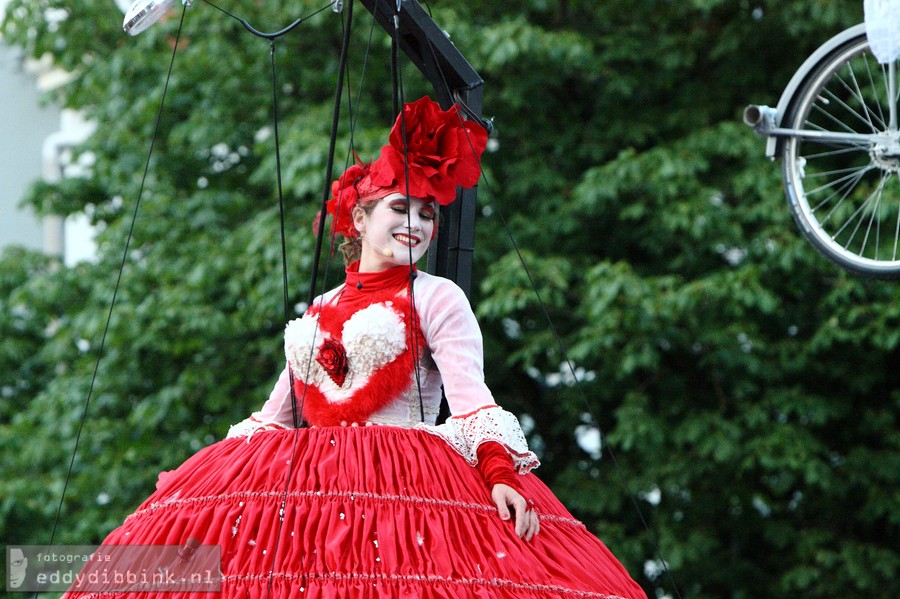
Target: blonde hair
x=351 y=250
x=351 y=247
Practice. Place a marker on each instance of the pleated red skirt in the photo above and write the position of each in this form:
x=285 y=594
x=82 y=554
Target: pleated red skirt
x=363 y=512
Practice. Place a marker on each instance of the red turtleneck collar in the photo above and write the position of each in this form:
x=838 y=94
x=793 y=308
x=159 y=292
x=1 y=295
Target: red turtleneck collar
x=395 y=278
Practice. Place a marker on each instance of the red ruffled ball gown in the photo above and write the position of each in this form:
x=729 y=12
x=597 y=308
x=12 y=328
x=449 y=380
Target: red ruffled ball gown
x=369 y=502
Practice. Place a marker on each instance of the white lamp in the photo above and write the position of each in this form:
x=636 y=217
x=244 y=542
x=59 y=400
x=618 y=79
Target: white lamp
x=144 y=13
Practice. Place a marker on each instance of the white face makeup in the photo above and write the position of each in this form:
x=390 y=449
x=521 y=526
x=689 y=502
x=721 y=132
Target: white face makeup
x=389 y=235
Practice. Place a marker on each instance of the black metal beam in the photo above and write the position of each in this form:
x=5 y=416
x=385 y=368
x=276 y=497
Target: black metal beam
x=452 y=77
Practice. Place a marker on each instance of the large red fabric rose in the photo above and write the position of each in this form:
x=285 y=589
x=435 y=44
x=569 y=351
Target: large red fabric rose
x=333 y=359
x=443 y=150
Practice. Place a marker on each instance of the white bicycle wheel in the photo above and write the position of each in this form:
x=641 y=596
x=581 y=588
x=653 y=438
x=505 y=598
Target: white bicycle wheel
x=845 y=193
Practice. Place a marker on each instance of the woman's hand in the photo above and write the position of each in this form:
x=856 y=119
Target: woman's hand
x=527 y=522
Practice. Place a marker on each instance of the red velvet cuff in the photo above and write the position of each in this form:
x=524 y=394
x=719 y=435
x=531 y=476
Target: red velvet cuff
x=496 y=466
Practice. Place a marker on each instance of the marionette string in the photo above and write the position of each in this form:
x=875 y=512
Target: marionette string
x=561 y=346
x=297 y=407
x=116 y=287
x=325 y=284
x=269 y=36
x=400 y=100
x=272 y=38
x=285 y=287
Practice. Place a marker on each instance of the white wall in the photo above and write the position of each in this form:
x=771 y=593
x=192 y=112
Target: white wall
x=34 y=142
x=24 y=125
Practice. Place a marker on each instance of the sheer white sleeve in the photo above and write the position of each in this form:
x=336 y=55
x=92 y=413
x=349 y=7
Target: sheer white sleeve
x=455 y=341
x=491 y=423
x=275 y=413
x=456 y=345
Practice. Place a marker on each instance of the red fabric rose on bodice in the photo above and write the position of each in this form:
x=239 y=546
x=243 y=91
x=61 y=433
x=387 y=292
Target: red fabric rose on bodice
x=333 y=359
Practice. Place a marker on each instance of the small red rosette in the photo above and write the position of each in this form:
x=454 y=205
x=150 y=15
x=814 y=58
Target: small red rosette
x=333 y=359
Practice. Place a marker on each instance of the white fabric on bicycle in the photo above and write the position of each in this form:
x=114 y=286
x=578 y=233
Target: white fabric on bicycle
x=883 y=28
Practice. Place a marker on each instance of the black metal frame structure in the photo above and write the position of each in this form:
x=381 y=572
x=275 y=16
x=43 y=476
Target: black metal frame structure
x=452 y=77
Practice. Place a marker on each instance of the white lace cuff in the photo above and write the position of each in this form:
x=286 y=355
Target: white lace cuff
x=248 y=426
x=492 y=423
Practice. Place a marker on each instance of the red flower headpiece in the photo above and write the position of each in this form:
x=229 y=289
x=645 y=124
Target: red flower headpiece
x=443 y=152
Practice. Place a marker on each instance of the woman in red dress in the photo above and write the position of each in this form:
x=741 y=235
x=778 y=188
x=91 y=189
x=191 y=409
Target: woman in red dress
x=372 y=499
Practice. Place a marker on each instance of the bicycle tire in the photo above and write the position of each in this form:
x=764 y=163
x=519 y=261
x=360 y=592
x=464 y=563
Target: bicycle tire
x=844 y=196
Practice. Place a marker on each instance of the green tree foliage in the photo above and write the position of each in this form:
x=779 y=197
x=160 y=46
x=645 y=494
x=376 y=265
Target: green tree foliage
x=748 y=389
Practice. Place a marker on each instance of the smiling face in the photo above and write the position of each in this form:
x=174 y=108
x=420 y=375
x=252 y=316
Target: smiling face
x=390 y=233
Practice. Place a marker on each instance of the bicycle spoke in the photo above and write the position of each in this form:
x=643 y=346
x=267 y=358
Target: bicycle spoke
x=857 y=176
x=878 y=192
x=851 y=144
x=852 y=217
x=896 y=91
x=855 y=92
x=848 y=185
x=896 y=231
x=866 y=61
x=839 y=150
x=833 y=118
x=837 y=171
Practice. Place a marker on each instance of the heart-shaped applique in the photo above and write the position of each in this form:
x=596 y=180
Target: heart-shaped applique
x=374 y=341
